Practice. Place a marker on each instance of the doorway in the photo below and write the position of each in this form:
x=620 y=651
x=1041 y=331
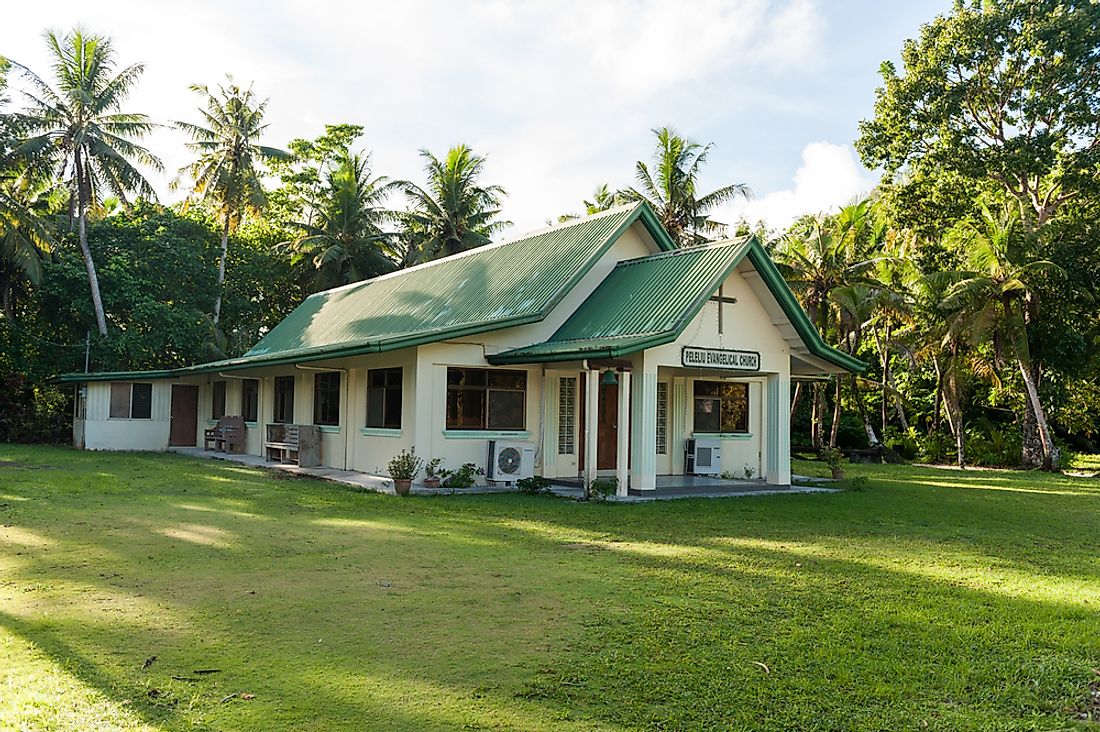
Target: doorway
x=184 y=425
x=607 y=428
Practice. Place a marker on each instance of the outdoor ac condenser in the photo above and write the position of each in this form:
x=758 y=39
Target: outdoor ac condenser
x=510 y=461
x=703 y=457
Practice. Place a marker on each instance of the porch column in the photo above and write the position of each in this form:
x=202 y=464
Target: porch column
x=622 y=456
x=644 y=435
x=778 y=430
x=591 y=423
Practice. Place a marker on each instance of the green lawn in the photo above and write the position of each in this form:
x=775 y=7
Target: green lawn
x=921 y=599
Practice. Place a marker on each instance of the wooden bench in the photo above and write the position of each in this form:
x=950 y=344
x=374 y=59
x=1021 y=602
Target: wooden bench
x=293 y=443
x=227 y=435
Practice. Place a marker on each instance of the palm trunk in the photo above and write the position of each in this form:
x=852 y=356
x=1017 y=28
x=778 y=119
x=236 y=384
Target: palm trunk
x=835 y=429
x=1039 y=414
x=872 y=438
x=952 y=404
x=939 y=395
x=795 y=399
x=86 y=252
x=221 y=269
x=817 y=416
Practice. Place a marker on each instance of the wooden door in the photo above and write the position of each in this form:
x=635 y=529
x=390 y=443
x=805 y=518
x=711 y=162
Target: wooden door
x=607 y=433
x=185 y=416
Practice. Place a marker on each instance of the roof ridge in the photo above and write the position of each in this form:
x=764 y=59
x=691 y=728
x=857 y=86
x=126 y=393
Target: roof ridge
x=683 y=251
x=476 y=250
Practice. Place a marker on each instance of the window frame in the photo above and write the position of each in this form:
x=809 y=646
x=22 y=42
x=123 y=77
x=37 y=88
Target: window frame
x=389 y=391
x=721 y=398
x=276 y=417
x=129 y=386
x=567 y=405
x=218 y=399
x=328 y=391
x=250 y=387
x=486 y=391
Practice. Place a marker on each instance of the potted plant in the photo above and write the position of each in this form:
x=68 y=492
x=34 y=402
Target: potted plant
x=403 y=467
x=832 y=458
x=433 y=472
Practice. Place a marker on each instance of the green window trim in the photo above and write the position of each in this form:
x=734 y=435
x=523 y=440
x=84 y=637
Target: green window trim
x=332 y=429
x=380 y=432
x=486 y=434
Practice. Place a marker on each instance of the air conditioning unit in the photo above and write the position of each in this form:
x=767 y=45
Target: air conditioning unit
x=510 y=461
x=703 y=457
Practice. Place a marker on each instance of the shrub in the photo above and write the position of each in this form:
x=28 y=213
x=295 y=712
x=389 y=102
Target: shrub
x=464 y=477
x=533 y=485
x=602 y=488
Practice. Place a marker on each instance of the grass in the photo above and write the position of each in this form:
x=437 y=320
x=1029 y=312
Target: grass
x=918 y=599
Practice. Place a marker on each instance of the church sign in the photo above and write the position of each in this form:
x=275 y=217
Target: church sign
x=717 y=358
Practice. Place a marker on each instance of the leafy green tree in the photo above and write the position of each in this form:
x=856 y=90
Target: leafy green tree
x=990 y=301
x=671 y=189
x=226 y=174
x=76 y=133
x=998 y=91
x=345 y=242
x=454 y=212
x=303 y=174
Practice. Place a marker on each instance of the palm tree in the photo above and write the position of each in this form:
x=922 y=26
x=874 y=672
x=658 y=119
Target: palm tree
x=990 y=302
x=25 y=237
x=454 y=212
x=603 y=198
x=822 y=255
x=75 y=132
x=226 y=175
x=672 y=189
x=346 y=243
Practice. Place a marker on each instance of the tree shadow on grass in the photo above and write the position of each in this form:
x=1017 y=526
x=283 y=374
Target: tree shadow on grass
x=627 y=615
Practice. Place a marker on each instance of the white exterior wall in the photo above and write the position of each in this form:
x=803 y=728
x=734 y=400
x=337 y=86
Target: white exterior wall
x=747 y=325
x=101 y=432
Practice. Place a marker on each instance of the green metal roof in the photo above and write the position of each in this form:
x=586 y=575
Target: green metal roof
x=642 y=303
x=648 y=302
x=497 y=286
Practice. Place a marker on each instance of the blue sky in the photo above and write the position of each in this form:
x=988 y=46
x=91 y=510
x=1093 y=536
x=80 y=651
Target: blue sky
x=560 y=95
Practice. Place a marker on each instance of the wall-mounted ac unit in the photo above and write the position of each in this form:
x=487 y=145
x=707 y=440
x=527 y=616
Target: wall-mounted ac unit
x=703 y=457
x=510 y=461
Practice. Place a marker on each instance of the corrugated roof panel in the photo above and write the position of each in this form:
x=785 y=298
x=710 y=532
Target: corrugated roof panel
x=641 y=302
x=514 y=280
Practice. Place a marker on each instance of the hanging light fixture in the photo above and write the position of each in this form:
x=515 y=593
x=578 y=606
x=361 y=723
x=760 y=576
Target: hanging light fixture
x=609 y=378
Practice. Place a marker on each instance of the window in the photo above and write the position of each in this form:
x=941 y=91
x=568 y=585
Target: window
x=250 y=400
x=662 y=417
x=721 y=406
x=326 y=398
x=567 y=415
x=217 y=400
x=284 y=399
x=479 y=399
x=384 y=398
x=131 y=401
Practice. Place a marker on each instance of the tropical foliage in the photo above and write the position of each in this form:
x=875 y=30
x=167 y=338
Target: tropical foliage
x=226 y=174
x=454 y=211
x=965 y=279
x=76 y=133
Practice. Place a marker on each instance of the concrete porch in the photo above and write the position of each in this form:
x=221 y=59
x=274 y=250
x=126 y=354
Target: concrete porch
x=668 y=486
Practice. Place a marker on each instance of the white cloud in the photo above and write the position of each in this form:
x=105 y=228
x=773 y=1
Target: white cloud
x=560 y=95
x=830 y=176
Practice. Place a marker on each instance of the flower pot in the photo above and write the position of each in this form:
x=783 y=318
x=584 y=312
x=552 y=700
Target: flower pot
x=838 y=473
x=431 y=482
x=402 y=486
